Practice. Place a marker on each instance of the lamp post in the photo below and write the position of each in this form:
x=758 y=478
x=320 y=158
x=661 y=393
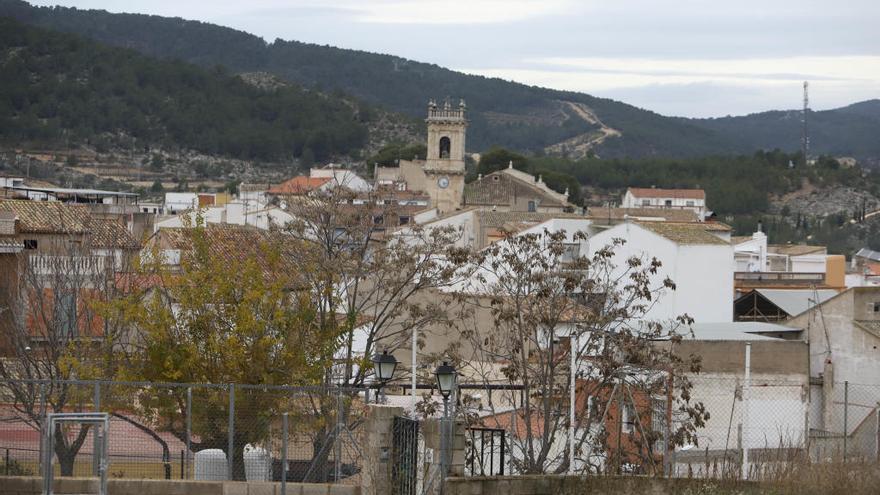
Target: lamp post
x=383 y=366
x=446 y=378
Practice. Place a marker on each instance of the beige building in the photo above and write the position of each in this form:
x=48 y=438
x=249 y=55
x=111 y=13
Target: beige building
x=514 y=190
x=441 y=174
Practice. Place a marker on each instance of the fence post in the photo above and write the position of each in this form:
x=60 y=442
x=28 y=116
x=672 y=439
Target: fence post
x=340 y=425
x=189 y=401
x=43 y=445
x=96 y=462
x=230 y=456
x=845 y=416
x=284 y=454
x=746 y=392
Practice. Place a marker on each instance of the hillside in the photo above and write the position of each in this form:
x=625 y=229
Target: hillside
x=847 y=131
x=503 y=113
x=58 y=88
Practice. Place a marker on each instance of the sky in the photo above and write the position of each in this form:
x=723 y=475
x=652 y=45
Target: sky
x=692 y=58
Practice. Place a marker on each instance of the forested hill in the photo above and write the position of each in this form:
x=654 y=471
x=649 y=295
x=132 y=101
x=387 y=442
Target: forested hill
x=60 y=88
x=502 y=113
x=847 y=131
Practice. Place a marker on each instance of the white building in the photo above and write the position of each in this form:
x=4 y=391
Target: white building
x=234 y=213
x=341 y=177
x=753 y=254
x=682 y=199
x=180 y=201
x=697 y=258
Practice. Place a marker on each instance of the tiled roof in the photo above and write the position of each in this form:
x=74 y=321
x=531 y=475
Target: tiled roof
x=501 y=188
x=667 y=214
x=497 y=219
x=651 y=192
x=48 y=217
x=796 y=249
x=111 y=234
x=684 y=233
x=299 y=185
x=235 y=244
x=739 y=239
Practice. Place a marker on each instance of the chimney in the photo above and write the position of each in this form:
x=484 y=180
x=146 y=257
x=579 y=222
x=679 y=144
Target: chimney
x=835 y=271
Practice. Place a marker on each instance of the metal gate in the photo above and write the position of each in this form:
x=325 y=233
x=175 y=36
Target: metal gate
x=405 y=456
x=486 y=452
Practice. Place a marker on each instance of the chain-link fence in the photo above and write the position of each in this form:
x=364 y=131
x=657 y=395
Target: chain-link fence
x=187 y=431
x=769 y=425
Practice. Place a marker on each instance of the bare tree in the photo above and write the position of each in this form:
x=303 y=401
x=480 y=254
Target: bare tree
x=533 y=302
x=371 y=272
x=52 y=330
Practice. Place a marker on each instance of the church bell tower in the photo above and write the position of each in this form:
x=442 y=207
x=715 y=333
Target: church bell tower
x=444 y=164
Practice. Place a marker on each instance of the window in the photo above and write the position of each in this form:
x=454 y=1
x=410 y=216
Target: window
x=876 y=307
x=496 y=178
x=658 y=421
x=445 y=146
x=629 y=418
x=646 y=202
x=689 y=203
x=572 y=252
x=532 y=207
x=30 y=244
x=403 y=221
x=668 y=203
x=378 y=220
x=65 y=313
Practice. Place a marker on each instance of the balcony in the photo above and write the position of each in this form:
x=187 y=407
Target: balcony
x=67 y=265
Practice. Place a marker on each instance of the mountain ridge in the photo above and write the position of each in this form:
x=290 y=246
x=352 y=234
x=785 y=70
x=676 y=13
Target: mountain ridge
x=504 y=113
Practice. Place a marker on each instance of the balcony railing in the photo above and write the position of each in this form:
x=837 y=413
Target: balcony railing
x=779 y=277
x=72 y=265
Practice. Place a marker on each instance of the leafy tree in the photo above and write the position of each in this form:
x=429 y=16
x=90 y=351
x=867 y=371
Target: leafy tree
x=157 y=187
x=213 y=321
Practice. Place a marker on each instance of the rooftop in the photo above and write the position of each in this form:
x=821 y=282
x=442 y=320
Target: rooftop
x=666 y=215
x=688 y=233
x=651 y=192
x=738 y=331
x=48 y=217
x=504 y=186
x=796 y=249
x=794 y=301
x=299 y=185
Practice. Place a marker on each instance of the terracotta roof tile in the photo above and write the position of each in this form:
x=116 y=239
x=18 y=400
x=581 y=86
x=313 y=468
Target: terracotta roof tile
x=499 y=188
x=48 y=217
x=686 y=233
x=299 y=185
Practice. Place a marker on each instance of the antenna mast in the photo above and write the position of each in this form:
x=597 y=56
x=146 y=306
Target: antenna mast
x=805 y=136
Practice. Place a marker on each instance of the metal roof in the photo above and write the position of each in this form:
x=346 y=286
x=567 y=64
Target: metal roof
x=796 y=301
x=738 y=330
x=81 y=192
x=869 y=254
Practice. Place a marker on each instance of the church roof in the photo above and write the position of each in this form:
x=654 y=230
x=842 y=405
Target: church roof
x=505 y=186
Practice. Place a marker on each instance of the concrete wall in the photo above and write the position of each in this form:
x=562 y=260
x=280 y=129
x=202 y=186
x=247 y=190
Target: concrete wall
x=594 y=485
x=703 y=274
x=33 y=486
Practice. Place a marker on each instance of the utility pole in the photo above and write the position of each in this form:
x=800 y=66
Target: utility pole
x=805 y=135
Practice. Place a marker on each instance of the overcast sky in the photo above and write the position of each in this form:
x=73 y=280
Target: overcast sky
x=689 y=57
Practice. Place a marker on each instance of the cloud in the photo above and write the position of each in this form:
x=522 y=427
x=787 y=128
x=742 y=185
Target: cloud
x=704 y=87
x=454 y=11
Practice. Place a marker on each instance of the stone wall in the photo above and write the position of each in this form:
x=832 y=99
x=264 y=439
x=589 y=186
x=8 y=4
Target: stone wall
x=594 y=485
x=34 y=486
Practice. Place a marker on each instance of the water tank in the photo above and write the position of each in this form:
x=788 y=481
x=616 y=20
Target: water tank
x=210 y=465
x=257 y=464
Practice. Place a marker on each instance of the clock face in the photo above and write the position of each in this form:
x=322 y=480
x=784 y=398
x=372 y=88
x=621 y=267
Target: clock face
x=443 y=182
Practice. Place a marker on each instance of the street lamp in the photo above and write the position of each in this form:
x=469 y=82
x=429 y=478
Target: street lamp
x=383 y=366
x=446 y=378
